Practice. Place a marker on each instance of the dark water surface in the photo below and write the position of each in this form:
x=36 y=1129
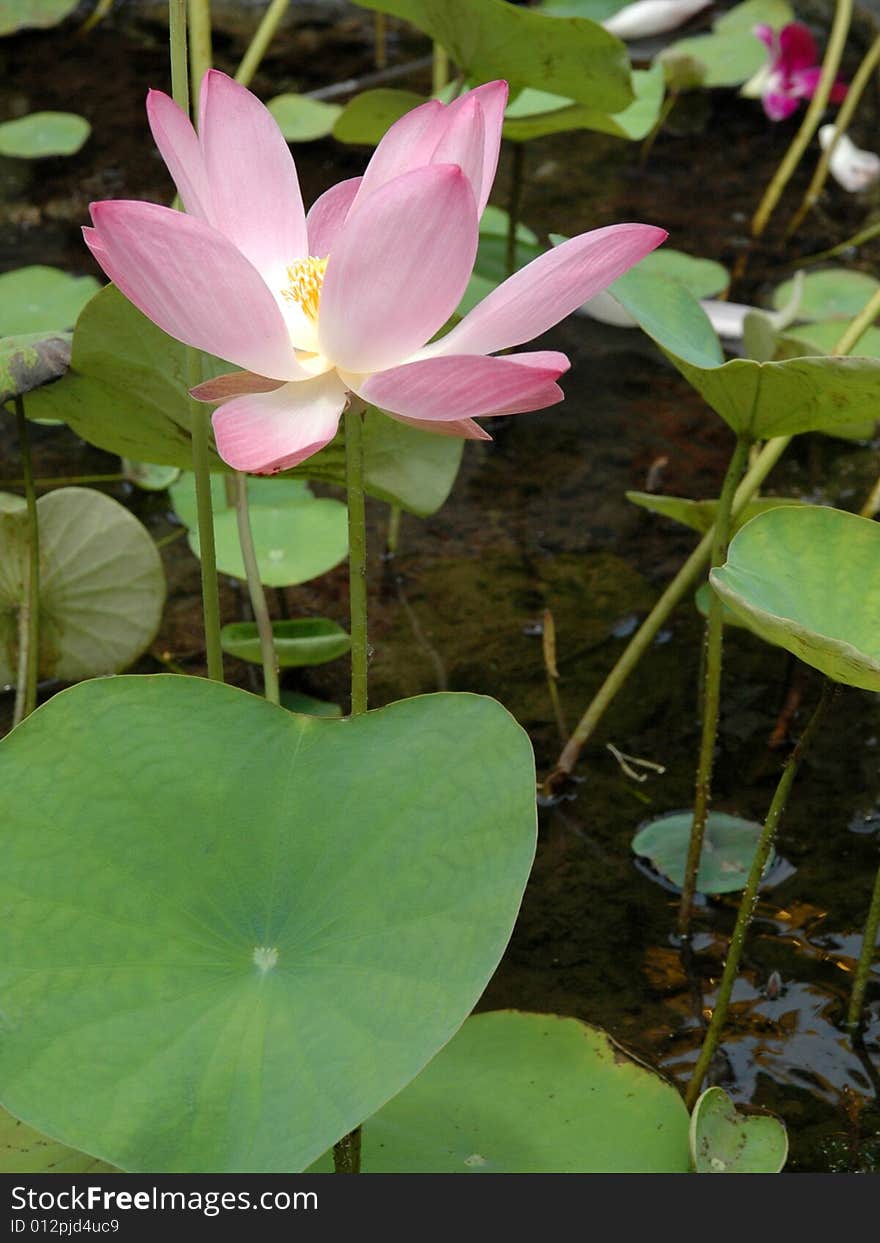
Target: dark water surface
x=538 y=519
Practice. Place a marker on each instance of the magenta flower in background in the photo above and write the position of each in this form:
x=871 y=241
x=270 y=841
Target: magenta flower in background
x=792 y=72
x=343 y=301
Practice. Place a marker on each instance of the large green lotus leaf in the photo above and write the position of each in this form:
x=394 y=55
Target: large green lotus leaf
x=102 y=586
x=365 y=118
x=25 y=1151
x=260 y=928
x=535 y=113
x=731 y=53
x=298 y=642
x=26 y=362
x=724 y=1141
x=18 y=14
x=593 y=10
x=126 y=392
x=517 y=1093
x=835 y=293
x=490 y=39
x=296 y=701
x=700 y=515
x=728 y=849
x=42 y=299
x=43 y=133
x=302 y=119
x=808 y=579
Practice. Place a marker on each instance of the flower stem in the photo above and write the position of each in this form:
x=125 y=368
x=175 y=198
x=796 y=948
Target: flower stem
x=817 y=105
x=859 y=325
x=863 y=970
x=440 y=69
x=259 y=44
x=29 y=614
x=711 y=685
x=380 y=40
x=200 y=51
x=844 y=116
x=255 y=590
x=357 y=555
x=750 y=897
x=644 y=636
x=393 y=538
x=177 y=43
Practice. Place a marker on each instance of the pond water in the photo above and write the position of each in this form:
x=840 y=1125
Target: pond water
x=538 y=519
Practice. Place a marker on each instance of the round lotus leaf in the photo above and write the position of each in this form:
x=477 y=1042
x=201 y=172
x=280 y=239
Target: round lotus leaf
x=808 y=580
x=300 y=641
x=302 y=119
x=723 y=1141
x=701 y=601
x=835 y=293
x=25 y=1151
x=822 y=337
x=149 y=476
x=700 y=515
x=517 y=1093
x=231 y=932
x=261 y=491
x=102 y=586
x=293 y=543
x=17 y=14
x=728 y=849
x=296 y=701
x=42 y=299
x=43 y=133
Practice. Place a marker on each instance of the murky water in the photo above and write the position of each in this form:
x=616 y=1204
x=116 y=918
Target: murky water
x=538 y=519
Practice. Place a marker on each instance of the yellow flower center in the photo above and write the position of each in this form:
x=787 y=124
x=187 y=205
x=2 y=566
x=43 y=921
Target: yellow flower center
x=305 y=278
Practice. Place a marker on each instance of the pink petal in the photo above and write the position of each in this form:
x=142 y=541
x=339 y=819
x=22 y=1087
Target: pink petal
x=549 y=288
x=255 y=195
x=492 y=98
x=327 y=215
x=466 y=429
x=767 y=35
x=778 y=105
x=234 y=384
x=398 y=268
x=464 y=143
x=267 y=432
x=838 y=91
x=187 y=278
x=467 y=386
x=797 y=48
x=179 y=147
x=407 y=145
x=804 y=83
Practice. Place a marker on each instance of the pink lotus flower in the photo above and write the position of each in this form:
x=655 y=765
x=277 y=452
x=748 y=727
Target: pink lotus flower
x=343 y=301
x=792 y=72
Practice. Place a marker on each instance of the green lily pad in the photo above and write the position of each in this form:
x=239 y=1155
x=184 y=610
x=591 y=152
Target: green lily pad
x=126 y=392
x=520 y=1093
x=149 y=476
x=835 y=293
x=700 y=515
x=728 y=849
x=42 y=299
x=808 y=580
x=489 y=39
x=670 y=314
x=367 y=116
x=593 y=10
x=43 y=133
x=732 y=53
x=704 y=278
x=300 y=641
x=19 y=14
x=102 y=586
x=537 y=113
x=725 y=1141
x=25 y=1151
x=494 y=222
x=701 y=602
x=302 y=119
x=296 y=535
x=296 y=701
x=191 y=961
x=822 y=336
x=30 y=361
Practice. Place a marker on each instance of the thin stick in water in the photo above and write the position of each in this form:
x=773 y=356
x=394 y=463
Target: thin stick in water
x=29 y=609
x=256 y=591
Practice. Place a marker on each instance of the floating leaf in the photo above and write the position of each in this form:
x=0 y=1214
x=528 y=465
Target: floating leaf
x=834 y=293
x=302 y=119
x=148 y=476
x=593 y=10
x=366 y=118
x=25 y=1151
x=42 y=299
x=43 y=133
x=822 y=336
x=732 y=53
x=102 y=587
x=295 y=701
x=520 y=1093
x=670 y=314
x=301 y=641
x=191 y=985
x=728 y=849
x=807 y=580
x=30 y=361
x=126 y=392
x=489 y=39
x=725 y=1141
x=272 y=491
x=536 y=113
x=700 y=515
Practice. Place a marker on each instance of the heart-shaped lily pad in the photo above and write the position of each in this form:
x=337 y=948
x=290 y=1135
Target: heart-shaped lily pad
x=520 y=1093
x=728 y=849
x=835 y=293
x=725 y=1141
x=298 y=642
x=102 y=586
x=43 y=133
x=25 y=1151
x=42 y=299
x=232 y=932
x=808 y=579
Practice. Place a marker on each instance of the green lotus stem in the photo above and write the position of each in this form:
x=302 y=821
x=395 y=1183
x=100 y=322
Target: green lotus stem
x=29 y=609
x=357 y=554
x=711 y=685
x=393 y=538
x=844 y=116
x=380 y=40
x=178 y=47
x=200 y=52
x=259 y=44
x=872 y=504
x=440 y=69
x=514 y=203
x=645 y=635
x=750 y=897
x=63 y=481
x=255 y=590
x=347 y=1153
x=812 y=117
x=863 y=970
x=860 y=325
x=857 y=239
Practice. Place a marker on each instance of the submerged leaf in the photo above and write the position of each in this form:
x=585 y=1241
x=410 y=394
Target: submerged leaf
x=43 y=133
x=725 y=1141
x=728 y=849
x=42 y=299
x=298 y=642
